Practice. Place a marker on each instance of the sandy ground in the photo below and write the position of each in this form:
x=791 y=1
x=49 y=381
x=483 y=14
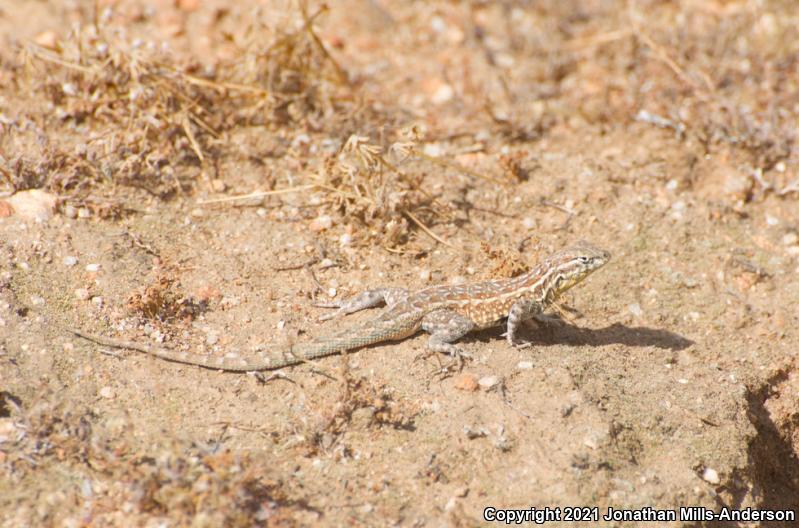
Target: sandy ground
x=417 y=144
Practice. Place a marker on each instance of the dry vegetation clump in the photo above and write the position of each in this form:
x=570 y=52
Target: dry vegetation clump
x=111 y=109
x=163 y=300
x=362 y=404
x=115 y=482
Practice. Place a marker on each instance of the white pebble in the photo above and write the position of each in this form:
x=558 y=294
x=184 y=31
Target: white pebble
x=212 y=338
x=37 y=300
x=790 y=239
x=711 y=475
x=672 y=185
x=106 y=392
x=345 y=239
x=488 y=382
x=772 y=220
x=424 y=275
x=92 y=267
x=70 y=261
x=70 y=211
x=332 y=292
x=97 y=301
x=529 y=223
x=84 y=213
x=82 y=294
x=525 y=365
x=320 y=223
x=635 y=309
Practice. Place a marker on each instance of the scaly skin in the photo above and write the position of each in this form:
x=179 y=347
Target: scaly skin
x=447 y=313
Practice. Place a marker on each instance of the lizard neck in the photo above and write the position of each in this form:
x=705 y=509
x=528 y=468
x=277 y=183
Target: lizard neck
x=540 y=283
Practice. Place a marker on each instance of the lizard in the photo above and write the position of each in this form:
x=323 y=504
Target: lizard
x=447 y=313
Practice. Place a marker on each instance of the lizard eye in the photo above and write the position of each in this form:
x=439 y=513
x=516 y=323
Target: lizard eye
x=583 y=259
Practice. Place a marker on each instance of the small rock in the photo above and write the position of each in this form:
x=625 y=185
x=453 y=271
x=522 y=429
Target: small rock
x=107 y=392
x=37 y=300
x=332 y=292
x=738 y=186
x=790 y=239
x=218 y=185
x=82 y=294
x=97 y=301
x=442 y=94
x=529 y=223
x=321 y=223
x=466 y=382
x=425 y=275
x=84 y=212
x=92 y=268
x=212 y=338
x=345 y=239
x=47 y=39
x=462 y=491
x=70 y=211
x=711 y=475
x=326 y=263
x=488 y=382
x=458 y=280
x=525 y=365
x=261 y=212
x=772 y=220
x=70 y=261
x=33 y=204
x=5 y=209
x=635 y=309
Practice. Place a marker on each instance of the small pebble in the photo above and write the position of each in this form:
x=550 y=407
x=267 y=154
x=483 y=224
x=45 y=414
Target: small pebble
x=525 y=365
x=218 y=185
x=331 y=292
x=466 y=382
x=488 y=382
x=70 y=261
x=212 y=338
x=635 y=309
x=790 y=239
x=37 y=300
x=97 y=301
x=261 y=212
x=529 y=223
x=711 y=475
x=424 y=274
x=326 y=263
x=772 y=220
x=345 y=239
x=106 y=392
x=92 y=267
x=70 y=211
x=321 y=223
x=82 y=294
x=84 y=213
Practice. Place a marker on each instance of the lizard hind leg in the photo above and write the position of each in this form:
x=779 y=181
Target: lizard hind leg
x=446 y=327
x=367 y=299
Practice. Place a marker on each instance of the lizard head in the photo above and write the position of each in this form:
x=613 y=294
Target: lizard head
x=574 y=264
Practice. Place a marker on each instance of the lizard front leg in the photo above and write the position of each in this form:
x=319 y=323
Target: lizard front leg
x=521 y=311
x=367 y=299
x=446 y=327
